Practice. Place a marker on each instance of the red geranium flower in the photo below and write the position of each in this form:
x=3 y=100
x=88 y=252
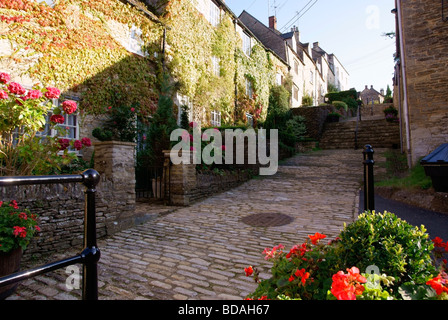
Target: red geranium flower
x=4 y=77
x=16 y=88
x=52 y=93
x=57 y=118
x=69 y=106
x=316 y=237
x=249 y=271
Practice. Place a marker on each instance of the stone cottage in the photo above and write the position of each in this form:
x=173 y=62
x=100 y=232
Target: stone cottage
x=421 y=77
x=371 y=96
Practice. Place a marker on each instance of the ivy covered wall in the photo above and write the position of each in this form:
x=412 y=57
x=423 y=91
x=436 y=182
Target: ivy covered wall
x=79 y=47
x=82 y=47
x=193 y=42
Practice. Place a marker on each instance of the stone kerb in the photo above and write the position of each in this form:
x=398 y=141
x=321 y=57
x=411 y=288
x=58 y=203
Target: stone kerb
x=115 y=162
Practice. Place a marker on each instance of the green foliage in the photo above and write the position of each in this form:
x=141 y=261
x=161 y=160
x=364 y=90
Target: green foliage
x=121 y=123
x=340 y=105
x=161 y=124
x=349 y=97
x=307 y=100
x=278 y=107
x=184 y=121
x=397 y=248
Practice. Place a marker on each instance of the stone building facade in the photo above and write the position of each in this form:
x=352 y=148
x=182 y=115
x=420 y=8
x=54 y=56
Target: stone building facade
x=421 y=78
x=311 y=67
x=371 y=96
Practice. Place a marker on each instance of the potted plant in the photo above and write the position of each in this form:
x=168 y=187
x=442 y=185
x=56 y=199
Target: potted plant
x=17 y=228
x=333 y=117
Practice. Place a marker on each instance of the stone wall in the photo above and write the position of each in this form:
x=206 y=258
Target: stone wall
x=188 y=185
x=425 y=37
x=61 y=206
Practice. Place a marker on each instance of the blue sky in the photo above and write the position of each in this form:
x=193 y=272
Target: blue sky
x=352 y=30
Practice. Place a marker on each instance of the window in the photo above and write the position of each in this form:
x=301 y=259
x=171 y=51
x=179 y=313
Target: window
x=214 y=14
x=70 y=126
x=51 y=3
x=249 y=88
x=311 y=77
x=216 y=63
x=295 y=92
x=250 y=119
x=296 y=67
x=216 y=118
x=279 y=79
x=135 y=41
x=247 y=46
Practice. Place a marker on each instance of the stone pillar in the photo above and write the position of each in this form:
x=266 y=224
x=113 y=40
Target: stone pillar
x=115 y=162
x=182 y=181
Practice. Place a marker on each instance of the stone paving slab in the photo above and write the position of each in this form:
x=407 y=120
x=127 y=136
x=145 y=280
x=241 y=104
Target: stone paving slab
x=200 y=252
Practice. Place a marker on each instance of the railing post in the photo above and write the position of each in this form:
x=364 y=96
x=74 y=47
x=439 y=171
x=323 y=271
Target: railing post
x=369 y=193
x=91 y=253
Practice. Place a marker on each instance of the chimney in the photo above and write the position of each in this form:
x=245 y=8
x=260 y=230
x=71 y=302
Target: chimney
x=273 y=22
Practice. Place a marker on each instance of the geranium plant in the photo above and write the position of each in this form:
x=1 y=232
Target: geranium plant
x=378 y=257
x=17 y=226
x=24 y=116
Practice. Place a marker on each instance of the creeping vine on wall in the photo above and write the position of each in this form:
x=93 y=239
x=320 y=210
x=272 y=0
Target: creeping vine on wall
x=76 y=47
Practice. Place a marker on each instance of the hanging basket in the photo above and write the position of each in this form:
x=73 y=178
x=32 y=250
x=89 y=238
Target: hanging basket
x=9 y=263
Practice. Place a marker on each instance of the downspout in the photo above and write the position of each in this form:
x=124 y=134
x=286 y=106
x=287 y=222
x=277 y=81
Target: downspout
x=405 y=89
x=236 y=74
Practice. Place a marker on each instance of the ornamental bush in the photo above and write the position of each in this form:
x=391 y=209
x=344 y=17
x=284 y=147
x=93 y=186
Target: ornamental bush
x=378 y=257
x=397 y=248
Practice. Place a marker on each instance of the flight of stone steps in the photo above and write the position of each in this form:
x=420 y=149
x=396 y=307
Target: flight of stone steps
x=377 y=132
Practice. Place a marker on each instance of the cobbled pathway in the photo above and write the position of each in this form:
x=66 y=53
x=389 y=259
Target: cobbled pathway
x=200 y=252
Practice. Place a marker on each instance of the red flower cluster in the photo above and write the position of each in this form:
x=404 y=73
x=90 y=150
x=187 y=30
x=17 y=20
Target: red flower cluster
x=271 y=253
x=438 y=243
x=439 y=283
x=52 y=93
x=301 y=274
x=19 y=231
x=16 y=88
x=316 y=237
x=57 y=118
x=348 y=286
x=69 y=106
x=4 y=77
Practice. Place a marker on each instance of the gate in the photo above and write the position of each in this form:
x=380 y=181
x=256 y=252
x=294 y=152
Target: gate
x=152 y=183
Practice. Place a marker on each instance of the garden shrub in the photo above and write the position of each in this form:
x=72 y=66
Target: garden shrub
x=397 y=248
x=405 y=264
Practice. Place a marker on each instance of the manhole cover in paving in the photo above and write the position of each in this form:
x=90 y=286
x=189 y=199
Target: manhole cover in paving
x=267 y=220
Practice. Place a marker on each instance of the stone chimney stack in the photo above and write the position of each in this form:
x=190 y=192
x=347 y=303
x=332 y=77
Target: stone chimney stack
x=273 y=22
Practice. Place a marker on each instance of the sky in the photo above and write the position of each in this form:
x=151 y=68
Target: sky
x=353 y=30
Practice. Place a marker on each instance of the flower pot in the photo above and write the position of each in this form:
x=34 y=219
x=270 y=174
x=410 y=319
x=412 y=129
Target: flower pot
x=9 y=263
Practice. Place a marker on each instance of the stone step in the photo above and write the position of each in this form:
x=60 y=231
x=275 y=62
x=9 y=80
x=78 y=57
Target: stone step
x=377 y=132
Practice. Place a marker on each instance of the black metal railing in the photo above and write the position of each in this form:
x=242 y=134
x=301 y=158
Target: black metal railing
x=90 y=255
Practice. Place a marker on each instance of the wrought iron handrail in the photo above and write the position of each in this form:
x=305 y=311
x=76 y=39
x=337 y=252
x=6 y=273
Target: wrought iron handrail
x=90 y=255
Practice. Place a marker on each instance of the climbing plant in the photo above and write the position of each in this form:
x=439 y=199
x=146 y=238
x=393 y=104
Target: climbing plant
x=75 y=46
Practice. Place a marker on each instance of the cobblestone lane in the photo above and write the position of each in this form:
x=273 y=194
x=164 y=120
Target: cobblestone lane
x=200 y=252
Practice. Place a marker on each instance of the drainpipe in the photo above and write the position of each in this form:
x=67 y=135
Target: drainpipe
x=405 y=89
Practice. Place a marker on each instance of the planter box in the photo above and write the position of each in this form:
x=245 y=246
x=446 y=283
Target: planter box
x=436 y=167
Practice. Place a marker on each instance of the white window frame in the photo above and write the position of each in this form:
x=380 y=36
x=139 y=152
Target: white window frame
x=295 y=92
x=215 y=119
x=71 y=121
x=249 y=88
x=250 y=119
x=136 y=42
x=216 y=64
x=247 y=44
x=214 y=16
